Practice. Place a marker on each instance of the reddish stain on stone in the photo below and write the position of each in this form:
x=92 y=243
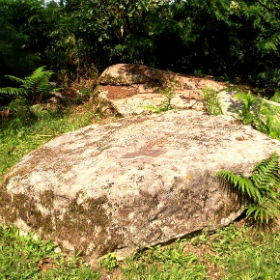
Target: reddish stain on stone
x=144 y=152
x=119 y=92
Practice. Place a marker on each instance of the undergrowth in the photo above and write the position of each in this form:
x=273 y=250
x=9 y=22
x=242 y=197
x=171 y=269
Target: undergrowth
x=261 y=114
x=23 y=257
x=235 y=252
x=241 y=252
x=24 y=134
x=159 y=263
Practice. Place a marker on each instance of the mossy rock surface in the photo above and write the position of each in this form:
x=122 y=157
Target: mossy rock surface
x=140 y=181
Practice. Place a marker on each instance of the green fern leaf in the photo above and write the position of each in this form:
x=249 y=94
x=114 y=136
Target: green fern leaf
x=243 y=184
x=266 y=173
x=13 y=91
x=38 y=82
x=273 y=159
x=262 y=188
x=15 y=79
x=263 y=212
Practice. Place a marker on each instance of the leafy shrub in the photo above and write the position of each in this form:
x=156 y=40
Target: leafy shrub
x=267 y=119
x=261 y=188
x=218 y=37
x=168 y=91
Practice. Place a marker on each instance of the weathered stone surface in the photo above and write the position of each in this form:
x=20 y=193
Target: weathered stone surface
x=131 y=88
x=229 y=103
x=128 y=74
x=137 y=182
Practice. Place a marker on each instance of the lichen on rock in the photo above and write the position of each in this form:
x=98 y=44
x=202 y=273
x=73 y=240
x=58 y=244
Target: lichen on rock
x=139 y=181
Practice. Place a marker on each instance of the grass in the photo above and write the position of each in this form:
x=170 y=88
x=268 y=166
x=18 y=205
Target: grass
x=160 y=263
x=20 y=136
x=212 y=103
x=245 y=253
x=22 y=257
x=237 y=252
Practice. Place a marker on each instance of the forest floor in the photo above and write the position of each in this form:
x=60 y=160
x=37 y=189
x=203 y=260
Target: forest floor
x=240 y=251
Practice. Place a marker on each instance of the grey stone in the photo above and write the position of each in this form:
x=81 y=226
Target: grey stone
x=140 y=181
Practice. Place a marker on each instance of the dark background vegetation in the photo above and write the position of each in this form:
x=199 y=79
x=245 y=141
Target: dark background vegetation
x=234 y=40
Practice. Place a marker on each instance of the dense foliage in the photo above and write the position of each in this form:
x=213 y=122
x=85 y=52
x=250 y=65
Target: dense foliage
x=75 y=38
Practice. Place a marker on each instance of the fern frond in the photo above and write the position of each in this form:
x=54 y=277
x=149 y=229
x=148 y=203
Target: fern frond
x=13 y=91
x=262 y=188
x=266 y=173
x=243 y=184
x=33 y=88
x=263 y=212
x=38 y=82
x=272 y=159
x=44 y=85
x=31 y=82
x=41 y=73
x=15 y=79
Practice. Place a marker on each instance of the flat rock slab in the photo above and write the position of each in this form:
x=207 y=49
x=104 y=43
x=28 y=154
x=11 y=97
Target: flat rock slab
x=137 y=182
x=132 y=88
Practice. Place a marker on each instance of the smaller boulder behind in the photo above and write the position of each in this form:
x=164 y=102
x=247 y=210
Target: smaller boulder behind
x=132 y=88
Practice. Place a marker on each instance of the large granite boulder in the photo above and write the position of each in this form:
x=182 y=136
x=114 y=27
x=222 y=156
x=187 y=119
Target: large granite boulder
x=136 y=182
x=132 y=88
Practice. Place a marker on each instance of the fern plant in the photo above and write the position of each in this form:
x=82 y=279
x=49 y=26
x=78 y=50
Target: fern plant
x=33 y=88
x=261 y=188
